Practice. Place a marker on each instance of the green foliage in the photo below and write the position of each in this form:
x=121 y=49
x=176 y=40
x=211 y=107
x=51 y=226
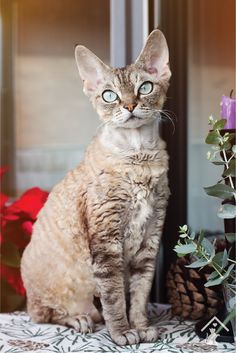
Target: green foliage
x=231 y=237
x=227 y=211
x=220 y=190
x=204 y=253
x=201 y=250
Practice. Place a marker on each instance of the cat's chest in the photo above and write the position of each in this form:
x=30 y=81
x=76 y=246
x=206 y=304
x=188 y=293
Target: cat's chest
x=141 y=209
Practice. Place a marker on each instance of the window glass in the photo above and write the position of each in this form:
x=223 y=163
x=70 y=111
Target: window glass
x=54 y=121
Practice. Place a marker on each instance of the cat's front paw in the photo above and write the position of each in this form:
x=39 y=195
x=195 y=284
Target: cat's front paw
x=123 y=338
x=149 y=334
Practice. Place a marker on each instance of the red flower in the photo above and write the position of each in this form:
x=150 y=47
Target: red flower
x=16 y=223
x=28 y=205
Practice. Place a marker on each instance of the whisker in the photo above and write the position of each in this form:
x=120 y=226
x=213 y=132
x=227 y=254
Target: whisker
x=166 y=114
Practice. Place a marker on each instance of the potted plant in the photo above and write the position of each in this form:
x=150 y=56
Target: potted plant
x=200 y=249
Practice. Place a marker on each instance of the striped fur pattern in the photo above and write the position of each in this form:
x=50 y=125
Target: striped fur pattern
x=99 y=232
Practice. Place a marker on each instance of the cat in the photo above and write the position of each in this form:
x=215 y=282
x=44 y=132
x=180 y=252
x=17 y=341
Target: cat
x=99 y=232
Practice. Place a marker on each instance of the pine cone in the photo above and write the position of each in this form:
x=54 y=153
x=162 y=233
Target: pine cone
x=187 y=294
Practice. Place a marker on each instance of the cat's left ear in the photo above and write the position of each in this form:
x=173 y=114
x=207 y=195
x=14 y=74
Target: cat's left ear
x=91 y=69
x=154 y=57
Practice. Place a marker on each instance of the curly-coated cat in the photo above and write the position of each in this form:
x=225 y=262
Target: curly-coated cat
x=99 y=232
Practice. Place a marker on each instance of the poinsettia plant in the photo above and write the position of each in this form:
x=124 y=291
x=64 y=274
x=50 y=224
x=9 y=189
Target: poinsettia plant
x=17 y=219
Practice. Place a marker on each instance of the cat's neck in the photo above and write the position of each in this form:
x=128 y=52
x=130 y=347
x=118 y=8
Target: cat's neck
x=138 y=139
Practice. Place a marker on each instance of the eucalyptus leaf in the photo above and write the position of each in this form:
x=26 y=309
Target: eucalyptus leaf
x=231 y=237
x=231 y=136
x=232 y=168
x=213 y=138
x=220 y=190
x=229 y=317
x=219 y=124
x=232 y=302
x=219 y=162
x=226 y=146
x=208 y=246
x=183 y=229
x=10 y=254
x=184 y=235
x=227 y=211
x=213 y=275
x=234 y=148
x=199 y=263
x=218 y=258
x=185 y=249
x=224 y=259
x=227 y=273
x=214 y=282
x=201 y=236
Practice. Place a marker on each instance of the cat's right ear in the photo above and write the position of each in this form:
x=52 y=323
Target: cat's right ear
x=91 y=68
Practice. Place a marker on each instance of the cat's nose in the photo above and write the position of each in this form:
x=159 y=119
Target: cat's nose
x=130 y=107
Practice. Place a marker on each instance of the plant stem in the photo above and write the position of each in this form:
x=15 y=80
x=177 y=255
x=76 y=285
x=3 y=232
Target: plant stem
x=227 y=166
x=232 y=261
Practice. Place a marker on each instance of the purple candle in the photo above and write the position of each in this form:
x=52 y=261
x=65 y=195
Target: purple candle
x=228 y=111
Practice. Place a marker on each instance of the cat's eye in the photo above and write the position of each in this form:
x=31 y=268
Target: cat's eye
x=146 y=88
x=109 y=96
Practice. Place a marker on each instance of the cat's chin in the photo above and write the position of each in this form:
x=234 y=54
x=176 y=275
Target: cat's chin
x=134 y=122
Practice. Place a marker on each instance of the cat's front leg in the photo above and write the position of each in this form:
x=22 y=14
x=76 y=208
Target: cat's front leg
x=107 y=257
x=142 y=270
x=140 y=286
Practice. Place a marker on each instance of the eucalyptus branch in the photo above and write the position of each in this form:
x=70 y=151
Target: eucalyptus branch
x=227 y=166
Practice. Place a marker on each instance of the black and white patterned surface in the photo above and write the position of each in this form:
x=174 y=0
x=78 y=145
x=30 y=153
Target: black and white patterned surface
x=18 y=334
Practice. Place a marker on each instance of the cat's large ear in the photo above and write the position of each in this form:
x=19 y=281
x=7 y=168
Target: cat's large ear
x=154 y=58
x=91 y=68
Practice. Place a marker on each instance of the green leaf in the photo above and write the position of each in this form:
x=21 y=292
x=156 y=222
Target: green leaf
x=217 y=259
x=232 y=168
x=226 y=146
x=231 y=136
x=219 y=124
x=231 y=237
x=183 y=229
x=227 y=273
x=224 y=259
x=227 y=211
x=234 y=148
x=219 y=162
x=192 y=235
x=185 y=249
x=211 y=120
x=229 y=317
x=220 y=190
x=199 y=263
x=180 y=255
x=208 y=247
x=201 y=236
x=214 y=282
x=213 y=138
x=10 y=255
x=184 y=235
x=213 y=275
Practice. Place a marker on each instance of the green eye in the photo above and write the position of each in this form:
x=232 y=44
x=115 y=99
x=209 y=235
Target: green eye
x=109 y=96
x=146 y=88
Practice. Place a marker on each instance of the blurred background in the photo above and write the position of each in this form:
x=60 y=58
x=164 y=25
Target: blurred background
x=47 y=122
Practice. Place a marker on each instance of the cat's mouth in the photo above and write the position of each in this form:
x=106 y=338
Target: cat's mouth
x=133 y=117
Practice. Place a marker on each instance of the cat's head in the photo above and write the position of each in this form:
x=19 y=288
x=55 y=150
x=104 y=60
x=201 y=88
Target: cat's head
x=132 y=96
